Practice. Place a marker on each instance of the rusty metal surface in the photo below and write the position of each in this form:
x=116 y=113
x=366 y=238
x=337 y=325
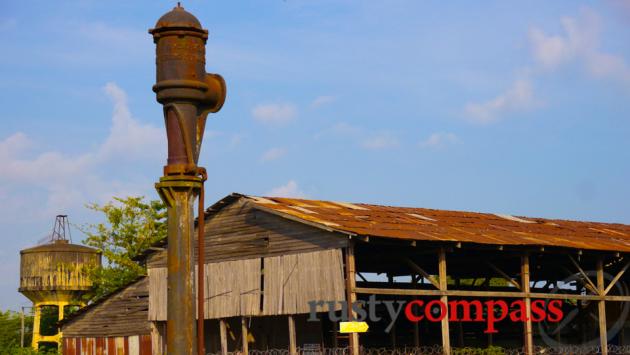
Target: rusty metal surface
x=131 y=345
x=178 y=193
x=188 y=94
x=61 y=246
x=449 y=226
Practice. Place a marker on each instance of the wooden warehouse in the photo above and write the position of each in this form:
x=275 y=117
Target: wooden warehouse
x=267 y=258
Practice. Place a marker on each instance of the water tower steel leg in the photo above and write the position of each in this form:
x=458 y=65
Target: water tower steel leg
x=178 y=193
x=36 y=321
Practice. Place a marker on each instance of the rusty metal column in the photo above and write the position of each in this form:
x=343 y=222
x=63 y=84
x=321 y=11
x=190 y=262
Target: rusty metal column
x=188 y=94
x=179 y=193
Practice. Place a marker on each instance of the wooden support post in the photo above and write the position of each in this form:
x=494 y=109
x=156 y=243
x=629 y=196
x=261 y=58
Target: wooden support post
x=244 y=332
x=292 y=341
x=223 y=333
x=528 y=340
x=603 y=335
x=351 y=296
x=446 y=341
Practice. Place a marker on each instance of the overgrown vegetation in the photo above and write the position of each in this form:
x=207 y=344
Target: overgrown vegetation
x=131 y=226
x=10 y=325
x=492 y=350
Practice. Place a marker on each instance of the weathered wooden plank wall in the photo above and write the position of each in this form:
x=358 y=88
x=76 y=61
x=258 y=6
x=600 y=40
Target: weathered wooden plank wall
x=232 y=287
x=291 y=281
x=235 y=287
x=157 y=293
x=131 y=345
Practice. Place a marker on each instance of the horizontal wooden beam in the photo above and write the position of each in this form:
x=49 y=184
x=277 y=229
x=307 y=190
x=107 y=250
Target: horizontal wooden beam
x=498 y=294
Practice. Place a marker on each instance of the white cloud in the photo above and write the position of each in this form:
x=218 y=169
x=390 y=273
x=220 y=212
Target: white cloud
x=548 y=51
x=322 y=100
x=272 y=154
x=520 y=96
x=578 y=42
x=72 y=180
x=290 y=189
x=439 y=140
x=380 y=142
x=48 y=166
x=274 y=114
x=128 y=137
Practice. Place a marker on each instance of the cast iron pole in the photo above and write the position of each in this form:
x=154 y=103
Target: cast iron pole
x=187 y=94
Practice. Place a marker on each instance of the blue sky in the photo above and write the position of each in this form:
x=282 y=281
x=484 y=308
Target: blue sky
x=518 y=108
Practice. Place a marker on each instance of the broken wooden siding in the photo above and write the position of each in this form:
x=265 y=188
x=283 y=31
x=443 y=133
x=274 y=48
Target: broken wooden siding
x=240 y=231
x=288 y=283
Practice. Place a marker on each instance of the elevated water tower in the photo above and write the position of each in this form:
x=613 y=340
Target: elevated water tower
x=54 y=276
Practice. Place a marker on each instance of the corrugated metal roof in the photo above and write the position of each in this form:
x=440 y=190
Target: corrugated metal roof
x=424 y=224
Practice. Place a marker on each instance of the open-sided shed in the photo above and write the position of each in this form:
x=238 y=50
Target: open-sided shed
x=267 y=258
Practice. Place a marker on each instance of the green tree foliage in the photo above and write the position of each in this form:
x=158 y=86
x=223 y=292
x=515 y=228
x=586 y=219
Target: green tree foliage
x=10 y=325
x=132 y=225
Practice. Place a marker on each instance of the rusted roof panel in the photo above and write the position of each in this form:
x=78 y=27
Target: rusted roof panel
x=450 y=226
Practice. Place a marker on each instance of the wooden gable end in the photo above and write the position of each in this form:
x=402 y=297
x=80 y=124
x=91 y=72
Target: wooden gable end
x=241 y=231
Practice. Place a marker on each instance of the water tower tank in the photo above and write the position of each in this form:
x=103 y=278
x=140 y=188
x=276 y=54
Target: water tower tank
x=54 y=276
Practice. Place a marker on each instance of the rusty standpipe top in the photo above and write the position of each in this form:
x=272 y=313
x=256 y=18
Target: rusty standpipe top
x=187 y=92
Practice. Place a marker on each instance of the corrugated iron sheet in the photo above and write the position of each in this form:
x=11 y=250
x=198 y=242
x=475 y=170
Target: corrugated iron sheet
x=131 y=345
x=448 y=226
